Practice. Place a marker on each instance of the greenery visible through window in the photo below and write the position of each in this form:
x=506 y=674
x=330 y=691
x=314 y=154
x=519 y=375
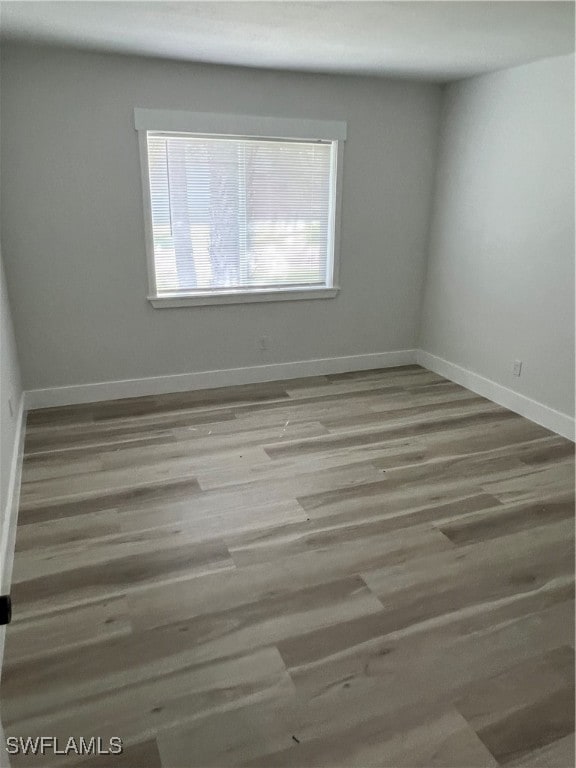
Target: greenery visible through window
x=240 y=214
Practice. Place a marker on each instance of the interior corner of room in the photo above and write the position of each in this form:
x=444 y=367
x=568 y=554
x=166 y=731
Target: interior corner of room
x=456 y=232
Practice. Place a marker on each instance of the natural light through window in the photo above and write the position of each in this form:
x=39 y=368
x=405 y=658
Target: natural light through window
x=239 y=215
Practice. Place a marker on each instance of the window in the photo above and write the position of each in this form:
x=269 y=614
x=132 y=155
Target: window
x=243 y=216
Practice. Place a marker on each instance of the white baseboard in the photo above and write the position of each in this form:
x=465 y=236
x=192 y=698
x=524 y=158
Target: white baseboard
x=183 y=382
x=556 y=421
x=10 y=512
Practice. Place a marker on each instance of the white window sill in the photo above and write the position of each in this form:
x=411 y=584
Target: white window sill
x=237 y=297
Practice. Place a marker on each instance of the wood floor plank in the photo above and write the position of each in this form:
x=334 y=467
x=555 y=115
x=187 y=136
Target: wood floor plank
x=359 y=438
x=462 y=441
x=274 y=619
x=60 y=559
x=524 y=708
x=475 y=444
x=505 y=519
x=315 y=407
x=143 y=755
x=443 y=739
x=204 y=524
x=437 y=659
x=236 y=474
x=111 y=577
x=559 y=753
x=361 y=383
x=130 y=498
x=537 y=484
x=378 y=540
x=66 y=530
x=137 y=710
x=375 y=498
x=331 y=554
x=312 y=533
x=476 y=572
x=66 y=439
x=270 y=490
x=113 y=668
x=409 y=414
x=228 y=739
x=53 y=633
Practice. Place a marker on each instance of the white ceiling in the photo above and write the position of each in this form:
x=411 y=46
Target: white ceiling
x=427 y=40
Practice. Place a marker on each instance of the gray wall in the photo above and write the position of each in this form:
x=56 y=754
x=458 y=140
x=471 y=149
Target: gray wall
x=10 y=388
x=500 y=282
x=73 y=232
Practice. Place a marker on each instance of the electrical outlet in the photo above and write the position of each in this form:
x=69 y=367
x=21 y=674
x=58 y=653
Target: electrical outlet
x=10 y=406
x=517 y=367
x=263 y=343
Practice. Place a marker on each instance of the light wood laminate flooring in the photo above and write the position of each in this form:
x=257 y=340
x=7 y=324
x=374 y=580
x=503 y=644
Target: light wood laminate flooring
x=367 y=569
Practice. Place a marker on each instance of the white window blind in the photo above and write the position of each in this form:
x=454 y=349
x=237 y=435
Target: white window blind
x=241 y=214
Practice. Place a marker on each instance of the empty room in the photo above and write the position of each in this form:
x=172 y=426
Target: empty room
x=287 y=384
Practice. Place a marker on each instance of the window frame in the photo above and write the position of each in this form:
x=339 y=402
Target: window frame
x=241 y=126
